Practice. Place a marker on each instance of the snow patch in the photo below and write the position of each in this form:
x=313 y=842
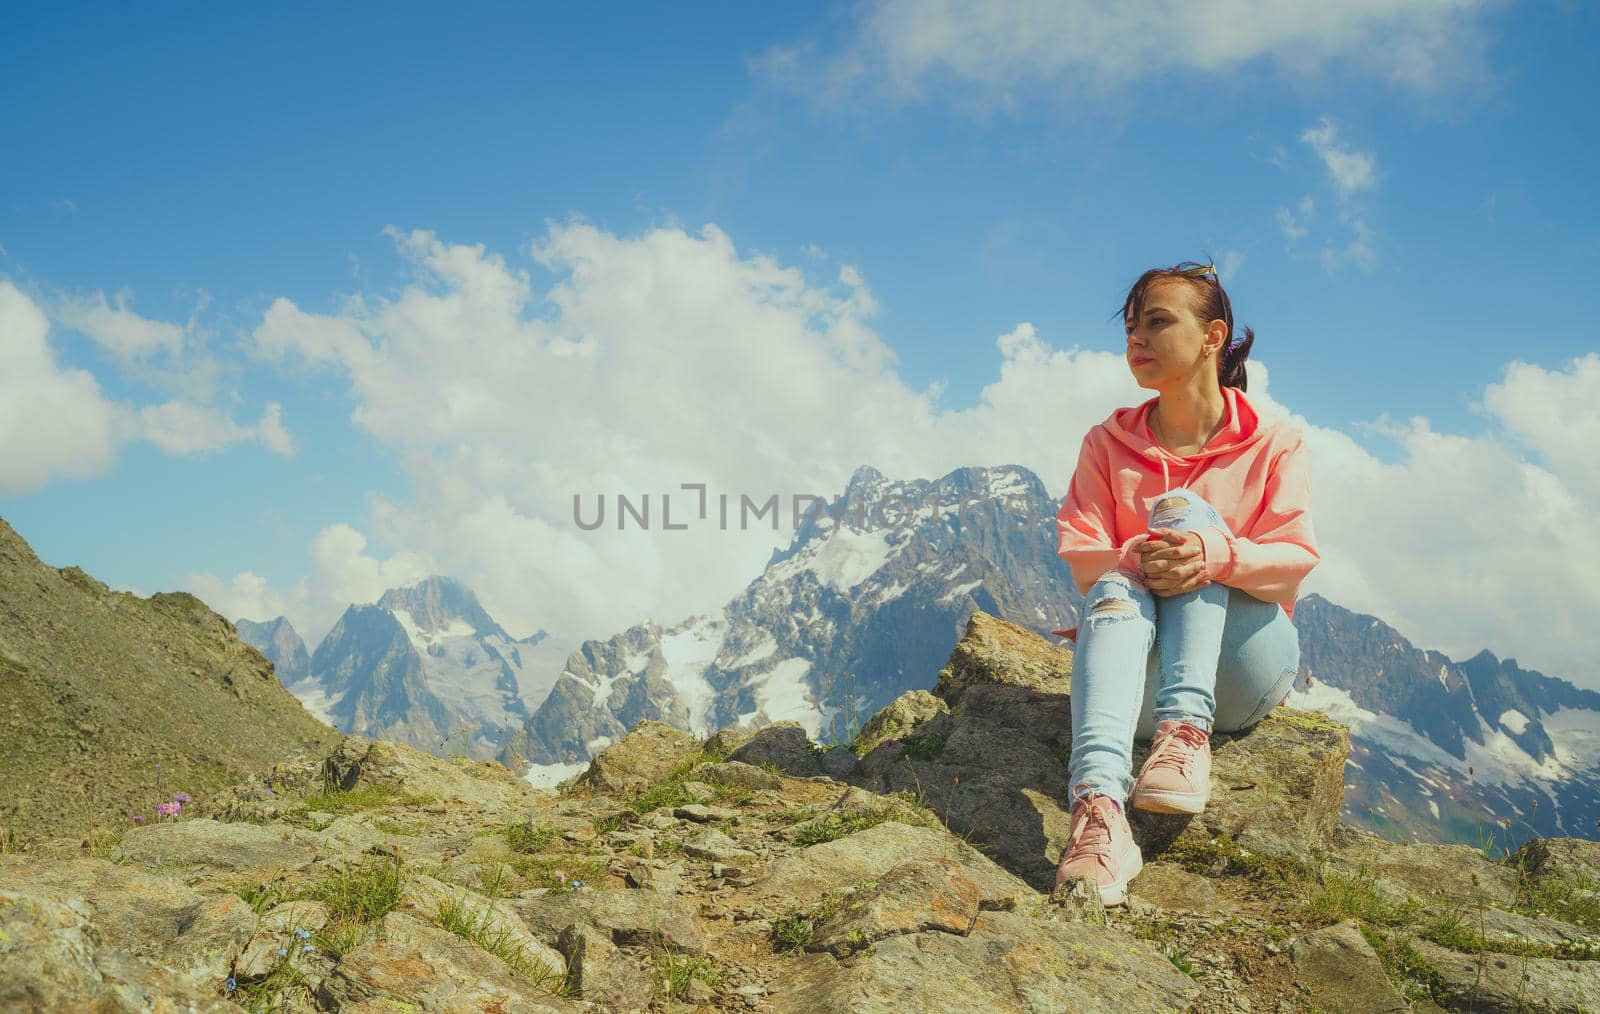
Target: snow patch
x=548 y=776
x=1515 y=721
x=688 y=653
x=959 y=590
x=845 y=559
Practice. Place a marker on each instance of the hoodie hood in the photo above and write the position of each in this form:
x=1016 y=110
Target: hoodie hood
x=1241 y=427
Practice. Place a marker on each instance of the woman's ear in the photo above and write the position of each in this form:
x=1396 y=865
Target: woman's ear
x=1216 y=338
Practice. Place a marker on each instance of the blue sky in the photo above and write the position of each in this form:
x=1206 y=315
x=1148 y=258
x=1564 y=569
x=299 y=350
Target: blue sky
x=1396 y=196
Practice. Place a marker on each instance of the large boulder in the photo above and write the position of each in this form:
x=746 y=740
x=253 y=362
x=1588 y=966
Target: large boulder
x=992 y=762
x=640 y=760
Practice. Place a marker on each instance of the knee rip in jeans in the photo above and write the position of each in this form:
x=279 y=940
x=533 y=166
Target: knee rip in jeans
x=1113 y=608
x=1168 y=510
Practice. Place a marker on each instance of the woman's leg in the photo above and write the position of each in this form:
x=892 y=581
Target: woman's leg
x=1116 y=631
x=1189 y=627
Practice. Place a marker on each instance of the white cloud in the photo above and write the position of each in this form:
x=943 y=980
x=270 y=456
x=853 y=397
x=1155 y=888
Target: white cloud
x=998 y=52
x=118 y=329
x=54 y=421
x=1350 y=170
x=342 y=572
x=181 y=427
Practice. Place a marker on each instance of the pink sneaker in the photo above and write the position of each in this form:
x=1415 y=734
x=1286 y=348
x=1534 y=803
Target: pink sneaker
x=1101 y=848
x=1176 y=777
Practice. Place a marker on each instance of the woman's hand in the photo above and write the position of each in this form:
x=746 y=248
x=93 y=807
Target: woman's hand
x=1174 y=561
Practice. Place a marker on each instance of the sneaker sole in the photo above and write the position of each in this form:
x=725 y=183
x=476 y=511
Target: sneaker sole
x=1116 y=893
x=1170 y=802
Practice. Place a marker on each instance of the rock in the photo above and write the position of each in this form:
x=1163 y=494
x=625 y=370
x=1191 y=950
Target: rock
x=215 y=845
x=782 y=744
x=1173 y=887
x=1342 y=972
x=838 y=761
x=726 y=740
x=800 y=878
x=600 y=969
x=640 y=760
x=698 y=791
x=899 y=717
x=1007 y=962
x=86 y=931
x=700 y=813
x=1500 y=982
x=992 y=766
x=628 y=917
x=713 y=844
x=923 y=894
x=740 y=775
x=427 y=898
x=1560 y=859
x=1440 y=874
x=486 y=788
x=431 y=968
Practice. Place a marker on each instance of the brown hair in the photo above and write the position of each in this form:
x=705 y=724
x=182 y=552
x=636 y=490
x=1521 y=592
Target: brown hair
x=1210 y=303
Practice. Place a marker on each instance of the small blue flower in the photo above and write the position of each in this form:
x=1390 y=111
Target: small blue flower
x=307 y=949
x=303 y=934
x=282 y=953
x=229 y=984
x=577 y=883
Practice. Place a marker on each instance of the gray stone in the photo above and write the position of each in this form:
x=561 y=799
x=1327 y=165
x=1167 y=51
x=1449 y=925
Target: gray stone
x=1008 y=962
x=1500 y=982
x=782 y=744
x=605 y=975
x=923 y=894
x=1342 y=972
x=713 y=844
x=629 y=917
x=739 y=774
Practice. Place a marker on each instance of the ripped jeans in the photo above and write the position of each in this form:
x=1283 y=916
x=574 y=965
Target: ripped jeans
x=1216 y=657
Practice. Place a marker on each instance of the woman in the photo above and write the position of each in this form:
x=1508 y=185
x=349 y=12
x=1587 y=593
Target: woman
x=1189 y=589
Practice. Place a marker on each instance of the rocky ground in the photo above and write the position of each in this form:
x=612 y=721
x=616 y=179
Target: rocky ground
x=756 y=871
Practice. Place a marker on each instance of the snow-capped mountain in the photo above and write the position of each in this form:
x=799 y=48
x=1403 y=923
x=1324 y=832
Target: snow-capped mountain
x=1480 y=751
x=866 y=602
x=424 y=665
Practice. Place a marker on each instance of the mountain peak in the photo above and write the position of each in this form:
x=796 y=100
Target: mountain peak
x=437 y=603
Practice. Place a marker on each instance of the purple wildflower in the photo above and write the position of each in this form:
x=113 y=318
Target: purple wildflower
x=182 y=797
x=136 y=818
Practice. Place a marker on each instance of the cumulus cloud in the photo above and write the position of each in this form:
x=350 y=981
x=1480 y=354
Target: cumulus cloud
x=667 y=358
x=54 y=421
x=118 y=329
x=999 y=52
x=342 y=571
x=183 y=428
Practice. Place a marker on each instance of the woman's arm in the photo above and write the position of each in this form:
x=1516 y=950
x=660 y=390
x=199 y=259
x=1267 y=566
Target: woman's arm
x=1274 y=557
x=1085 y=523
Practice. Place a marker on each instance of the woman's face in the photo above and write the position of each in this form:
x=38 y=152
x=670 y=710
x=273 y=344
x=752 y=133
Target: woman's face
x=1167 y=342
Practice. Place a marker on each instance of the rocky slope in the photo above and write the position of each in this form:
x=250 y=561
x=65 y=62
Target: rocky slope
x=752 y=869
x=110 y=702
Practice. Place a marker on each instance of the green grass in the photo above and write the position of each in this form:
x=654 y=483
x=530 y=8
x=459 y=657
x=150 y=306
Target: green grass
x=1337 y=897
x=833 y=826
x=362 y=894
x=926 y=746
x=670 y=791
x=527 y=838
x=675 y=969
x=481 y=928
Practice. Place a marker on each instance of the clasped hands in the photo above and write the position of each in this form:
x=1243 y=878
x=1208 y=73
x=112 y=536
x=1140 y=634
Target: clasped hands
x=1173 y=561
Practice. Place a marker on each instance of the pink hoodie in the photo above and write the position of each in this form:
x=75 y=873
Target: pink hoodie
x=1256 y=475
